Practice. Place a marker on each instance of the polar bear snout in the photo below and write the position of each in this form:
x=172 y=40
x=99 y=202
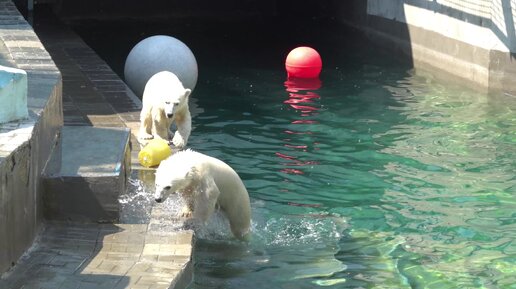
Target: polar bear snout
x=170 y=108
x=161 y=194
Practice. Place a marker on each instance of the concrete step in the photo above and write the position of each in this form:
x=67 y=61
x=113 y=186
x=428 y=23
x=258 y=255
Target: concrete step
x=86 y=173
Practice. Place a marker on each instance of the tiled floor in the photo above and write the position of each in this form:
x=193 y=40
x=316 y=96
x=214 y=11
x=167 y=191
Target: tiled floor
x=110 y=256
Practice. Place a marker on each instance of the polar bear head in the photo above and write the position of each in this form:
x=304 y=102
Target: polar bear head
x=175 y=101
x=175 y=174
x=165 y=91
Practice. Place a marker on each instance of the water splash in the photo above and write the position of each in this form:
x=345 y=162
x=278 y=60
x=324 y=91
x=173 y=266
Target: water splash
x=136 y=203
x=284 y=249
x=294 y=230
x=137 y=193
x=278 y=231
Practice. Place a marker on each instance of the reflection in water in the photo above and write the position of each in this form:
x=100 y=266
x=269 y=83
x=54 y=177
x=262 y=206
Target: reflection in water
x=462 y=184
x=448 y=181
x=302 y=97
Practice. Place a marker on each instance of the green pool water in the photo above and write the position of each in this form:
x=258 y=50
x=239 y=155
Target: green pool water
x=376 y=177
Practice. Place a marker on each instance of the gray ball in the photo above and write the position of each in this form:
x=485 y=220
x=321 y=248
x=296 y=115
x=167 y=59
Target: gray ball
x=159 y=53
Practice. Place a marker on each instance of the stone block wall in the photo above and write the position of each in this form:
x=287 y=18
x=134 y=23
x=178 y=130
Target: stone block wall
x=25 y=145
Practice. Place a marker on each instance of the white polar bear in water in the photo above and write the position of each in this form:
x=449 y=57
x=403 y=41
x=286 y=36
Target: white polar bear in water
x=205 y=183
x=164 y=102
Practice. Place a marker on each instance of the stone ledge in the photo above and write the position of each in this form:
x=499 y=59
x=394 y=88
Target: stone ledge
x=25 y=145
x=86 y=173
x=105 y=256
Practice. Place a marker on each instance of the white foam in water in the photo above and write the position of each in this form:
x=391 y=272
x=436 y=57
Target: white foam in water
x=307 y=243
x=296 y=249
x=286 y=230
x=276 y=231
x=294 y=230
x=216 y=229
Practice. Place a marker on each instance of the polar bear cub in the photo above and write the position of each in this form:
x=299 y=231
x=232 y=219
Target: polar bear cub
x=164 y=102
x=205 y=183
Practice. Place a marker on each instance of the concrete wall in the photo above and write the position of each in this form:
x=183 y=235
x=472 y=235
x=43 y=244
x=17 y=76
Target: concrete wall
x=76 y=9
x=471 y=41
x=25 y=145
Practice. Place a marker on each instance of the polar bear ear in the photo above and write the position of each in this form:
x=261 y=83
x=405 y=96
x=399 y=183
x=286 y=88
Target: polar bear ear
x=187 y=92
x=192 y=173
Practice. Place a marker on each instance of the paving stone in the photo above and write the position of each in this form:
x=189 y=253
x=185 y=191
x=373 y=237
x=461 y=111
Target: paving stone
x=107 y=266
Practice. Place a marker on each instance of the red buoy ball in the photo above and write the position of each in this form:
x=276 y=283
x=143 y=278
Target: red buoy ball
x=303 y=62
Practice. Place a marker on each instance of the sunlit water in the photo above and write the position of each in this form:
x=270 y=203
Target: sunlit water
x=373 y=178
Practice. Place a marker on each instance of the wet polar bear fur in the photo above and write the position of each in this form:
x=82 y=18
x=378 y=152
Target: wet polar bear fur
x=164 y=102
x=205 y=183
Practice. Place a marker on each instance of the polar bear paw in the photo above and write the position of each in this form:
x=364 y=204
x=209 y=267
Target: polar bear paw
x=145 y=136
x=186 y=212
x=178 y=141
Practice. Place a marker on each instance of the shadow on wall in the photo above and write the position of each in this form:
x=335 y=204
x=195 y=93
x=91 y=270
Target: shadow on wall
x=497 y=15
x=357 y=11
x=473 y=41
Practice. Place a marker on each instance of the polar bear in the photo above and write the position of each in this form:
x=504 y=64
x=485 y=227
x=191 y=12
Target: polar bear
x=164 y=102
x=205 y=183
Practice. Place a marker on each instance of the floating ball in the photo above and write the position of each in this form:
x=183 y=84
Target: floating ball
x=155 y=54
x=303 y=62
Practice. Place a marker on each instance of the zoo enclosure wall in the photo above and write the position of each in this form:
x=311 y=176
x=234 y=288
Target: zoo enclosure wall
x=472 y=42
